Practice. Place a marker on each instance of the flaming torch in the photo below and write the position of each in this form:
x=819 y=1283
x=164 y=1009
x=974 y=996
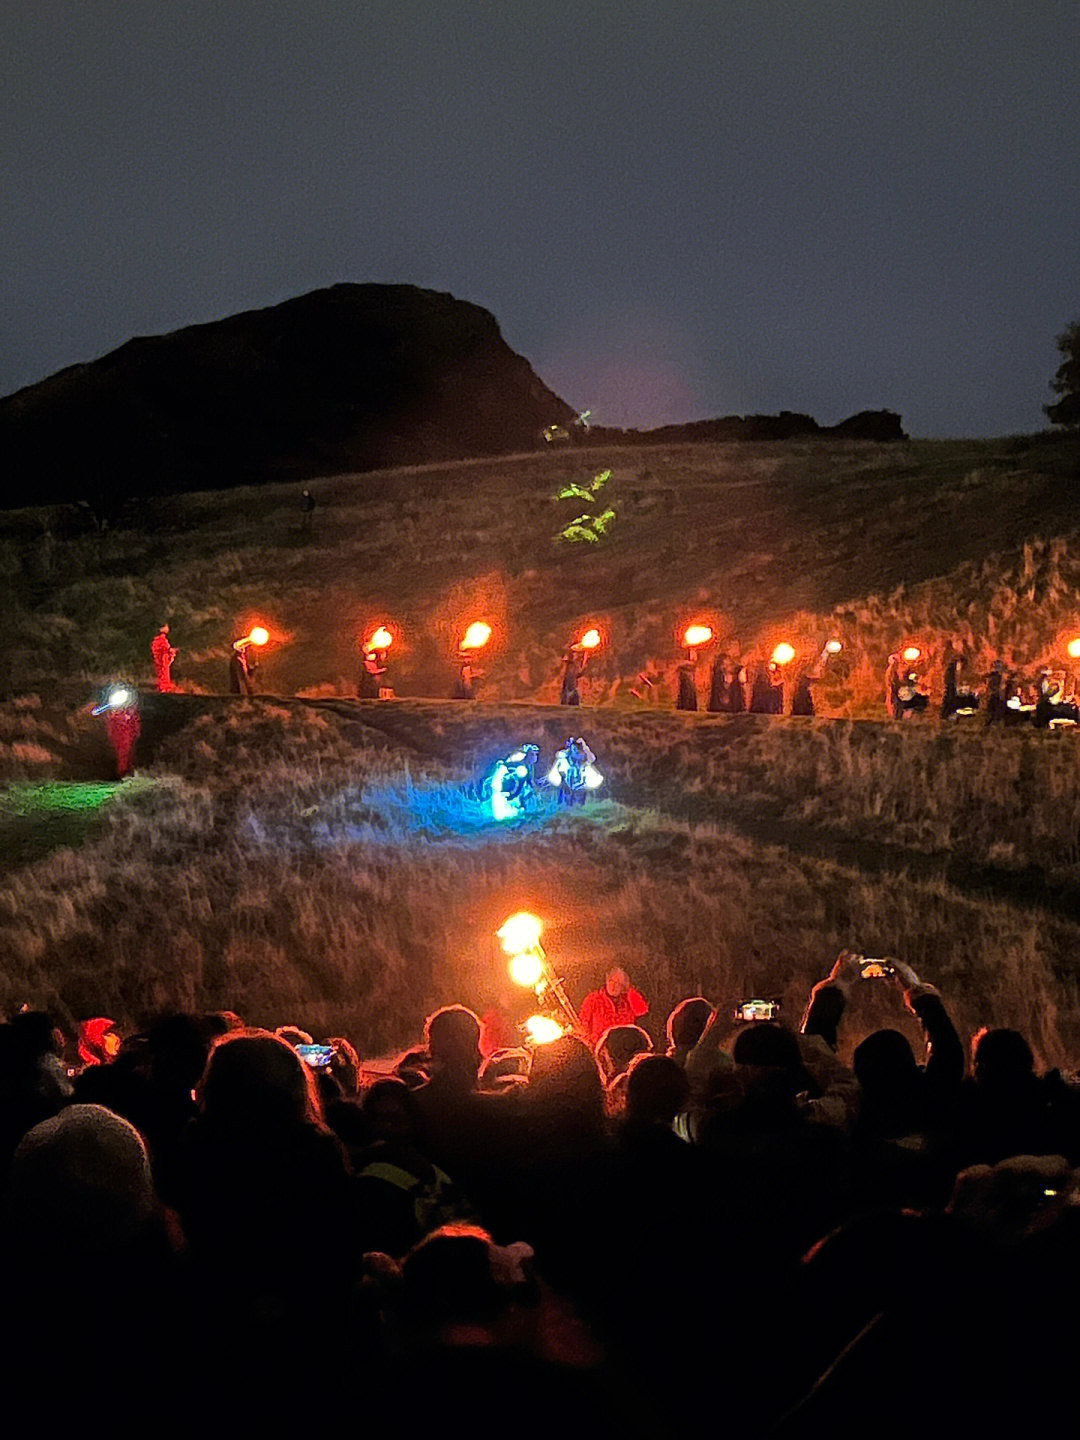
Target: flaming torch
x=530 y=968
x=696 y=635
x=476 y=636
x=783 y=654
x=381 y=639
x=589 y=641
x=912 y=653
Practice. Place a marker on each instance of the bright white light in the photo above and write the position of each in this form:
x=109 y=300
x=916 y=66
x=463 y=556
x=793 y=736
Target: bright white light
x=833 y=647
x=119 y=697
x=543 y=1030
x=554 y=775
x=1073 y=648
x=783 y=654
x=912 y=653
x=520 y=932
x=259 y=636
x=526 y=969
x=590 y=640
x=697 y=635
x=382 y=639
x=592 y=777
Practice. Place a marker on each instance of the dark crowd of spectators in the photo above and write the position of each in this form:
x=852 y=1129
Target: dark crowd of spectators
x=729 y=1228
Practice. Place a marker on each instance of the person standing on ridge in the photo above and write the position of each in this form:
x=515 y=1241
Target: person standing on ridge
x=163 y=654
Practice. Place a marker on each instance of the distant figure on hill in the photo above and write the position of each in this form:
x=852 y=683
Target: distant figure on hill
x=574 y=661
x=243 y=665
x=718 y=686
x=995 y=699
x=468 y=675
x=767 y=697
x=372 y=673
x=121 y=710
x=307 y=510
x=615 y=1003
x=163 y=655
x=802 y=699
x=736 y=690
x=687 y=697
x=957 y=698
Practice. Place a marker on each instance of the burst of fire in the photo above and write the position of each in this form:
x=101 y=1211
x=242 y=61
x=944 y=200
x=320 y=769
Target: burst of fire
x=543 y=1030
x=526 y=969
x=590 y=640
x=521 y=932
x=697 y=635
x=476 y=636
x=783 y=654
x=912 y=652
x=382 y=639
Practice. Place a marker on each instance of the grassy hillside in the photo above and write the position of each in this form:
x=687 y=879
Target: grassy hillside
x=795 y=540
x=316 y=860
x=319 y=862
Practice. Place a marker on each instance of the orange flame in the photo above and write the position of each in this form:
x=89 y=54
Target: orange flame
x=783 y=654
x=912 y=652
x=697 y=635
x=1073 y=648
x=259 y=635
x=476 y=636
x=590 y=640
x=382 y=639
x=833 y=647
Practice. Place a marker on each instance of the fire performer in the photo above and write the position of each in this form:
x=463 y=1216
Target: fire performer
x=575 y=658
x=163 y=654
x=719 y=694
x=121 y=710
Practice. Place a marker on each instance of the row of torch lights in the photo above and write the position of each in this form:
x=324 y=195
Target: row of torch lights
x=478 y=634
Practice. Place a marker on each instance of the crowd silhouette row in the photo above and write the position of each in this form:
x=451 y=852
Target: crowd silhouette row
x=716 y=1224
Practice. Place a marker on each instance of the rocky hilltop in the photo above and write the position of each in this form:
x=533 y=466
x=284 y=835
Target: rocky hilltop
x=349 y=378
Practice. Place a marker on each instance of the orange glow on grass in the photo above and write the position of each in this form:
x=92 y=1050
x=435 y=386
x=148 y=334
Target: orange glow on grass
x=783 y=654
x=697 y=635
x=476 y=636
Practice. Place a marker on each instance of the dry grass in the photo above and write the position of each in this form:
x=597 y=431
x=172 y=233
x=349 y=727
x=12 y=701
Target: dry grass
x=319 y=863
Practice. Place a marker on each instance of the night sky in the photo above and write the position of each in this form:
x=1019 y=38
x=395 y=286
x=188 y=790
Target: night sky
x=673 y=210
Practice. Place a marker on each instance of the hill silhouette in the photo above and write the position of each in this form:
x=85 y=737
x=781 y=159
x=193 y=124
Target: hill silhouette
x=344 y=379
x=348 y=379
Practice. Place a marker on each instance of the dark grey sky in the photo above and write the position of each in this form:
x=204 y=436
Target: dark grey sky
x=674 y=210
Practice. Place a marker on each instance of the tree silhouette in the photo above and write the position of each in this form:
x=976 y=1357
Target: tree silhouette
x=1066 y=382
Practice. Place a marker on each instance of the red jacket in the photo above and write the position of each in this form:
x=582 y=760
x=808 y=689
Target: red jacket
x=599 y=1011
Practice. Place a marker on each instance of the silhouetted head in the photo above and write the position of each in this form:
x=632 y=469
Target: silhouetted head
x=257 y=1080
x=885 y=1063
x=389 y=1107
x=1001 y=1059
x=656 y=1089
x=687 y=1022
x=564 y=1073
x=452 y=1035
x=617 y=1047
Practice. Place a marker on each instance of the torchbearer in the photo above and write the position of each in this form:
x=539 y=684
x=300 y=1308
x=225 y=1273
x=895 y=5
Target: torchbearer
x=373 y=666
x=163 y=655
x=575 y=658
x=244 y=662
x=802 y=700
x=695 y=636
x=476 y=637
x=120 y=706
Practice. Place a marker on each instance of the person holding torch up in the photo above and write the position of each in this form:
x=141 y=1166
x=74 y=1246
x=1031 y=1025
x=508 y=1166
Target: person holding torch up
x=244 y=663
x=373 y=666
x=575 y=658
x=476 y=637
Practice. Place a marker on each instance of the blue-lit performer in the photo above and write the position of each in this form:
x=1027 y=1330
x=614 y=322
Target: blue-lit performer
x=574 y=773
x=510 y=787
